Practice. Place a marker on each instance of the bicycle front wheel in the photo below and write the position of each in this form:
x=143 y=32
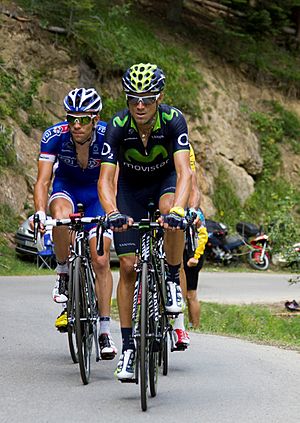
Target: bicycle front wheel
x=144 y=338
x=164 y=354
x=83 y=320
x=71 y=317
x=153 y=365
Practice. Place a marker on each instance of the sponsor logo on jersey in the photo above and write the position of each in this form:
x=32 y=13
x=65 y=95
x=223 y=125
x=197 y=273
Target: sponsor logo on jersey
x=133 y=154
x=169 y=116
x=120 y=122
x=71 y=161
x=106 y=151
x=101 y=129
x=183 y=139
x=54 y=131
x=144 y=168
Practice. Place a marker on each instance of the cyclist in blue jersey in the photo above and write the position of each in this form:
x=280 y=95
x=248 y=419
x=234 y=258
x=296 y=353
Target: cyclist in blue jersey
x=149 y=142
x=70 y=151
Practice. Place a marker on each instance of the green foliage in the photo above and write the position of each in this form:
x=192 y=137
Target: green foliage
x=257 y=323
x=7 y=151
x=38 y=120
x=274 y=197
x=15 y=95
x=11 y=265
x=228 y=206
x=274 y=202
x=254 y=40
x=252 y=322
x=8 y=219
x=111 y=37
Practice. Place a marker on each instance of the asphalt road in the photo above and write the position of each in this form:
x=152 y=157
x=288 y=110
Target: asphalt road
x=217 y=380
x=243 y=288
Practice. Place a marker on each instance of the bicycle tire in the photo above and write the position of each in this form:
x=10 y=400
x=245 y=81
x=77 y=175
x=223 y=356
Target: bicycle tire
x=83 y=330
x=165 y=354
x=71 y=318
x=153 y=365
x=164 y=322
x=143 y=356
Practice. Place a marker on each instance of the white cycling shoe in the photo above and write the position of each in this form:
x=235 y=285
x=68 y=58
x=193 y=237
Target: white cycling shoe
x=174 y=298
x=60 y=290
x=125 y=368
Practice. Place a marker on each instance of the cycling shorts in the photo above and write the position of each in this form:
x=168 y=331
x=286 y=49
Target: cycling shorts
x=86 y=195
x=134 y=202
x=192 y=273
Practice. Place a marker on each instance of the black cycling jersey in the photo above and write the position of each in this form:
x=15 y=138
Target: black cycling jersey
x=139 y=164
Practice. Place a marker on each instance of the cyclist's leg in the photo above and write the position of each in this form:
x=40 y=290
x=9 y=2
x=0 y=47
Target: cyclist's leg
x=103 y=287
x=61 y=204
x=194 y=308
x=103 y=275
x=126 y=243
x=192 y=275
x=173 y=245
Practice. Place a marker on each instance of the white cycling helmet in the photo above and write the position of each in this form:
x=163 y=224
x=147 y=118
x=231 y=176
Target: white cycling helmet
x=83 y=100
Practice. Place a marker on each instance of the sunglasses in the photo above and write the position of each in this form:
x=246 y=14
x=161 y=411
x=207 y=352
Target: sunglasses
x=133 y=99
x=82 y=120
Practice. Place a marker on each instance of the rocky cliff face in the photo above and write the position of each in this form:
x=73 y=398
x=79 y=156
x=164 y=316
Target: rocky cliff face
x=222 y=137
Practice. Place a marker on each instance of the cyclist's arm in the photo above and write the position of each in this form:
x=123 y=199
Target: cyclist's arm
x=202 y=240
x=41 y=188
x=107 y=187
x=184 y=177
x=194 y=198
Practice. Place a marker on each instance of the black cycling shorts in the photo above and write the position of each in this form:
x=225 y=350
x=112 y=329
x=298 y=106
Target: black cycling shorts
x=133 y=202
x=192 y=273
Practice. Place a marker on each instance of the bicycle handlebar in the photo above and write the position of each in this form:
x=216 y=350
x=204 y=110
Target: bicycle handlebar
x=75 y=220
x=188 y=222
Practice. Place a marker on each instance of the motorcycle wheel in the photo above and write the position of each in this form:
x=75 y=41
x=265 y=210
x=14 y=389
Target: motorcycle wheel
x=255 y=261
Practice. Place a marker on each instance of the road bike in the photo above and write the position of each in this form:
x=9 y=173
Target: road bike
x=152 y=328
x=150 y=321
x=82 y=307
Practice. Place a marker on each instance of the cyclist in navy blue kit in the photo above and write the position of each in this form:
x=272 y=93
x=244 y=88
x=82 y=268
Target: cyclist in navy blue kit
x=149 y=142
x=70 y=151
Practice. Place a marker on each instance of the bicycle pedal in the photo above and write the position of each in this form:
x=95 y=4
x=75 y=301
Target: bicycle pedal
x=107 y=356
x=172 y=315
x=133 y=380
x=180 y=348
x=62 y=329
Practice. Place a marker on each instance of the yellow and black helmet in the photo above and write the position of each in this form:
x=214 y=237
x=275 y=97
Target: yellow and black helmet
x=143 y=78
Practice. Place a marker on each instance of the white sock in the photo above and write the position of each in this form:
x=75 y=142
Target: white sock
x=179 y=322
x=105 y=324
x=62 y=268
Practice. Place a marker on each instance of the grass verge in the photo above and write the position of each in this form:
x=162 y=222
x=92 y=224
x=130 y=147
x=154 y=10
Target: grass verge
x=11 y=265
x=260 y=324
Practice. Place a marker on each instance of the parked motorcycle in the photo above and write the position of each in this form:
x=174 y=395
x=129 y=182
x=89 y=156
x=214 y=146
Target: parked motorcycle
x=226 y=249
x=259 y=254
x=220 y=247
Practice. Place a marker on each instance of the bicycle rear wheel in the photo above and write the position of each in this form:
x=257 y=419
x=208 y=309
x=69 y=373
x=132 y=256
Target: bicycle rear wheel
x=71 y=318
x=143 y=356
x=83 y=320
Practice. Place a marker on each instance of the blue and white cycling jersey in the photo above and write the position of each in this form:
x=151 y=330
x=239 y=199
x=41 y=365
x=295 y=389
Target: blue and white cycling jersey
x=58 y=147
